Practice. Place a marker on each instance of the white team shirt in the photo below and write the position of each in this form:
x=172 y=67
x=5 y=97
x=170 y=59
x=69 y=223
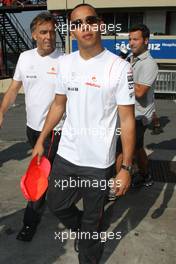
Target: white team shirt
x=94 y=88
x=38 y=75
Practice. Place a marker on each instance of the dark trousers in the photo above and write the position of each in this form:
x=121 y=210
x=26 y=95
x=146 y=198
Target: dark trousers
x=61 y=197
x=34 y=210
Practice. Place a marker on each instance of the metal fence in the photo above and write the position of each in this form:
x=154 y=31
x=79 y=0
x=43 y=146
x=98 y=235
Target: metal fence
x=166 y=82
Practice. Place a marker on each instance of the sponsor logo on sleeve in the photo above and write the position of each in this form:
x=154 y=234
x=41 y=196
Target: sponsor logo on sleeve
x=130 y=80
x=131 y=94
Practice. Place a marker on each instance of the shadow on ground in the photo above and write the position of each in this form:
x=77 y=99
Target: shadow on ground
x=44 y=248
x=130 y=215
x=129 y=211
x=18 y=151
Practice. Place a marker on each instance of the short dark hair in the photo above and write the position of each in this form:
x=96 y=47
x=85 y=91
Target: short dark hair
x=41 y=18
x=80 y=5
x=143 y=28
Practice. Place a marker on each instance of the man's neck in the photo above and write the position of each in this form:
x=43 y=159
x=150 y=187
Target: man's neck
x=43 y=53
x=137 y=55
x=89 y=53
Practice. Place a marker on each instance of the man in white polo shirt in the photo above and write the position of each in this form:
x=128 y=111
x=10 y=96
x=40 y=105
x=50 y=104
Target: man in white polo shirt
x=36 y=71
x=92 y=85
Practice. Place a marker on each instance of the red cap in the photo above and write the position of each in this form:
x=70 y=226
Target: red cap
x=35 y=181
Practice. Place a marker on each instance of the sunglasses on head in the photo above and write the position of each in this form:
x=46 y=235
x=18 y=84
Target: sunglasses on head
x=89 y=20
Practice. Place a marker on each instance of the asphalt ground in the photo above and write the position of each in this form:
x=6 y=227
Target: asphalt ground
x=145 y=217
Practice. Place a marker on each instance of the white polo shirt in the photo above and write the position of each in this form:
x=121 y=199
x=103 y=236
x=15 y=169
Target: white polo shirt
x=38 y=75
x=94 y=88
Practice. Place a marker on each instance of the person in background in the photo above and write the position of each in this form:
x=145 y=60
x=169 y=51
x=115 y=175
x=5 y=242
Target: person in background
x=36 y=70
x=145 y=71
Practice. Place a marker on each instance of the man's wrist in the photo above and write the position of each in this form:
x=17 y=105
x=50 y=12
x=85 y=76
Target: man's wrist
x=41 y=139
x=128 y=168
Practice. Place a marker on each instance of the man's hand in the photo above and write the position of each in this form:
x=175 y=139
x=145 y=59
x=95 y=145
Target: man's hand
x=38 y=151
x=122 y=182
x=1 y=118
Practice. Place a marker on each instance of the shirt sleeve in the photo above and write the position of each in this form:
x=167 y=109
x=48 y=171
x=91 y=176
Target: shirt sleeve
x=125 y=88
x=60 y=85
x=18 y=74
x=148 y=73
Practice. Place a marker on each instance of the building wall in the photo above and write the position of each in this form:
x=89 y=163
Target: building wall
x=69 y=4
x=131 y=3
x=155 y=20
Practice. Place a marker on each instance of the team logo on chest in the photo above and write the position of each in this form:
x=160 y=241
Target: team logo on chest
x=52 y=70
x=93 y=82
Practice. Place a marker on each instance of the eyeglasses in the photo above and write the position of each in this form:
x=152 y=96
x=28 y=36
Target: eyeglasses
x=89 y=20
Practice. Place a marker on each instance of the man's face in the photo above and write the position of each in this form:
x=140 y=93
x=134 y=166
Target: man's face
x=137 y=43
x=87 y=31
x=45 y=37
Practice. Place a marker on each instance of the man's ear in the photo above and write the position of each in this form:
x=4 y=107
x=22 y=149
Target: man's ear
x=102 y=22
x=72 y=35
x=34 y=36
x=146 y=41
x=102 y=26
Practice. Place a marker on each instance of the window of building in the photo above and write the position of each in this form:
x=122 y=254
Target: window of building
x=124 y=19
x=171 y=23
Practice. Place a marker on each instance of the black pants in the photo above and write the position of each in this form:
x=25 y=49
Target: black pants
x=61 y=197
x=34 y=210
